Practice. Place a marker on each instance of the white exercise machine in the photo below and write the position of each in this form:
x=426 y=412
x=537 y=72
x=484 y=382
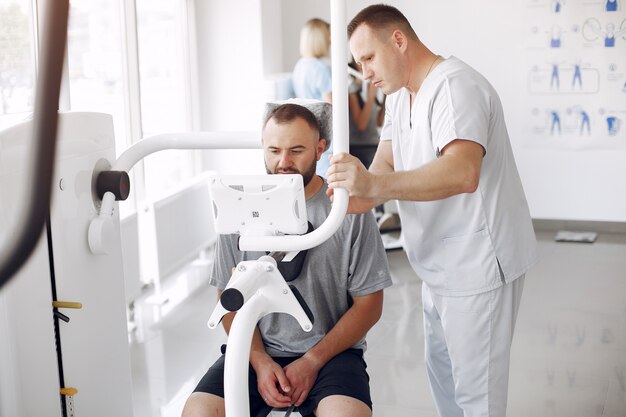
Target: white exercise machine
x=63 y=330
x=256 y=206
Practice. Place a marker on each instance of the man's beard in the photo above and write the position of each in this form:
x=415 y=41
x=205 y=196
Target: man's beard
x=307 y=175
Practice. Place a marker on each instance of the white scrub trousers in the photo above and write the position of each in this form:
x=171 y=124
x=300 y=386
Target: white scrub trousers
x=468 y=344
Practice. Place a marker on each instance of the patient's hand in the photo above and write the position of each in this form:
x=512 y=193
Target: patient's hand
x=272 y=383
x=301 y=374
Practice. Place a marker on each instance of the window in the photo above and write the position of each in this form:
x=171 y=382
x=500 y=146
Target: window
x=161 y=66
x=111 y=45
x=95 y=62
x=17 y=63
x=165 y=105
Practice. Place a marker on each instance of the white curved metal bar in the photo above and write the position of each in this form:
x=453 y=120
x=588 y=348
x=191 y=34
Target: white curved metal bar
x=266 y=292
x=165 y=141
x=236 y=393
x=300 y=242
x=191 y=140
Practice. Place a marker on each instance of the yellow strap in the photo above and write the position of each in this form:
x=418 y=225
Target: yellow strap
x=66 y=304
x=69 y=391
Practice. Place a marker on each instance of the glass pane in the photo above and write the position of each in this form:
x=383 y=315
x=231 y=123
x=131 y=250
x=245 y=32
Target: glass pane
x=164 y=103
x=95 y=62
x=95 y=68
x=161 y=66
x=17 y=63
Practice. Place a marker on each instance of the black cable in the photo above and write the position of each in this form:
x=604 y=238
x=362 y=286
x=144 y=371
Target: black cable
x=57 y=331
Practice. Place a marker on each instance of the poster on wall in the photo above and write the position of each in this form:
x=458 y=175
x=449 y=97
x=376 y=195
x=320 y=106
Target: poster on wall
x=576 y=74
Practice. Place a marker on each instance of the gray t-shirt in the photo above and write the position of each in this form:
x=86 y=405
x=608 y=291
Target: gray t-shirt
x=352 y=262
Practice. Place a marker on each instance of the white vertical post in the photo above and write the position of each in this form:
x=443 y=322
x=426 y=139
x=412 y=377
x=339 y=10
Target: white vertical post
x=236 y=362
x=339 y=54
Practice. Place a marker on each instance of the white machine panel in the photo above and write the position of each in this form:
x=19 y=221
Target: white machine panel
x=96 y=358
x=28 y=362
x=259 y=204
x=94 y=344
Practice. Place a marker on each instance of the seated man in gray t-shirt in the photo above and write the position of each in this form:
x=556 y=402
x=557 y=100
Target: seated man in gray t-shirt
x=322 y=372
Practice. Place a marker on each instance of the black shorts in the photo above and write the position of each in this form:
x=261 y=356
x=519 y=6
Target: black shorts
x=344 y=374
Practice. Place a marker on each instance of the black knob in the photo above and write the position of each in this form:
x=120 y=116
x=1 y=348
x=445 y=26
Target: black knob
x=116 y=182
x=232 y=299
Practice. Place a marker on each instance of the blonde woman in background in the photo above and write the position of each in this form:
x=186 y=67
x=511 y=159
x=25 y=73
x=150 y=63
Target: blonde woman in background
x=312 y=73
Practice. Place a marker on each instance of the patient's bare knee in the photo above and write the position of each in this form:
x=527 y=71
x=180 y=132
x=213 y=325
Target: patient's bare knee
x=200 y=404
x=341 y=405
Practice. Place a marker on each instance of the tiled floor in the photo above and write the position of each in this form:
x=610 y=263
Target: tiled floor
x=569 y=354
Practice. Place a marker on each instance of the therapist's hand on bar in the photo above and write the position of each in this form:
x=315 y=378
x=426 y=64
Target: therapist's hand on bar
x=346 y=171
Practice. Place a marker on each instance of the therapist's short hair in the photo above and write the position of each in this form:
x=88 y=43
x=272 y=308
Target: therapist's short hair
x=315 y=38
x=286 y=113
x=382 y=16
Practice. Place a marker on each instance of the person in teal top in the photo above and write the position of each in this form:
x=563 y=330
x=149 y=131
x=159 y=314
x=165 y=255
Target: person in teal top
x=312 y=73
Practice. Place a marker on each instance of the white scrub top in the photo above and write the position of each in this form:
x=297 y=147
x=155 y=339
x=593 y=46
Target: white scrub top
x=468 y=243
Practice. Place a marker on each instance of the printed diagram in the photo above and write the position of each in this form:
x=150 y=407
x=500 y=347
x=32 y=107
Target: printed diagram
x=557 y=6
x=574 y=121
x=613 y=121
x=611 y=5
x=615 y=77
x=577 y=77
x=555 y=36
x=559 y=77
x=576 y=73
x=555 y=122
x=593 y=32
x=613 y=125
x=555 y=80
x=583 y=120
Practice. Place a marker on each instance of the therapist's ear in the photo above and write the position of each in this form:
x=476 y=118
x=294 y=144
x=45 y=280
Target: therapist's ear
x=321 y=147
x=399 y=39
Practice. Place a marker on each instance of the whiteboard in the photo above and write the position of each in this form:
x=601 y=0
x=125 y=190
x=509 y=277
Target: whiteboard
x=546 y=57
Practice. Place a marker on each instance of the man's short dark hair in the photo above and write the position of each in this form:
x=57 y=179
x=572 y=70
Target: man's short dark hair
x=289 y=112
x=381 y=16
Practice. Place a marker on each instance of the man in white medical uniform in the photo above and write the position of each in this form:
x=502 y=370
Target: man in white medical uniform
x=445 y=155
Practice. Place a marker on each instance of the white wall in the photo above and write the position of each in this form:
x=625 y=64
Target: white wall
x=295 y=14
x=272 y=36
x=230 y=70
